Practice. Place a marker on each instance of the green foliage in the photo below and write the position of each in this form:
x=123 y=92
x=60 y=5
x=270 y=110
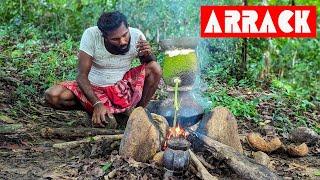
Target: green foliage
x=56 y=19
x=316 y=128
x=219 y=59
x=39 y=63
x=296 y=2
x=24 y=92
x=239 y=106
x=135 y=62
x=106 y=167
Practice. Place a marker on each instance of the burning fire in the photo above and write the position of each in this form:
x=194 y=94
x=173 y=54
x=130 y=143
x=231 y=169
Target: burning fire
x=175 y=132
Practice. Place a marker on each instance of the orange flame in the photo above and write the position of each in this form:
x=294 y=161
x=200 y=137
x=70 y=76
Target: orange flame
x=175 y=132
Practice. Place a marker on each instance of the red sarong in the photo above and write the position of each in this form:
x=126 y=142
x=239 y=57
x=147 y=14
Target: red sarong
x=117 y=98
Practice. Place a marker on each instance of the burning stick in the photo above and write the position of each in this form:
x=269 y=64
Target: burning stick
x=205 y=175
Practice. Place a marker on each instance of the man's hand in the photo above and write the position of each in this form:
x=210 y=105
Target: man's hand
x=98 y=116
x=143 y=47
x=144 y=51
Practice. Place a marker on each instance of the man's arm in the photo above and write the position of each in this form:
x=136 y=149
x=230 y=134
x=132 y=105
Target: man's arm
x=147 y=58
x=84 y=66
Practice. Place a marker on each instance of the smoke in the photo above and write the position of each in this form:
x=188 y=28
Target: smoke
x=164 y=19
x=169 y=19
x=214 y=56
x=200 y=85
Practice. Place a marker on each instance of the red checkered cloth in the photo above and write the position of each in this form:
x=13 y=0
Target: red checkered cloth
x=117 y=98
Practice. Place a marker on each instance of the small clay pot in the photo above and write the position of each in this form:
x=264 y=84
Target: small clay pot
x=176 y=157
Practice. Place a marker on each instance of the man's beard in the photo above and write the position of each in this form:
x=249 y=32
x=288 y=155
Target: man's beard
x=120 y=50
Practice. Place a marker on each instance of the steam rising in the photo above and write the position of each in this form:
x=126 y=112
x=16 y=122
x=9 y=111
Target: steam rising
x=170 y=19
x=177 y=52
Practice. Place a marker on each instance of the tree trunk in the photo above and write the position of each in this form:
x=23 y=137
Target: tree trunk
x=243 y=63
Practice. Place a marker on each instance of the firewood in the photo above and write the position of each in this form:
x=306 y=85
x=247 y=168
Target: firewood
x=205 y=175
x=240 y=164
x=73 y=144
x=205 y=163
x=74 y=133
x=193 y=170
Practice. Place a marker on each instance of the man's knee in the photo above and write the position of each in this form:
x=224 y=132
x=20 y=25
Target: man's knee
x=52 y=96
x=154 y=69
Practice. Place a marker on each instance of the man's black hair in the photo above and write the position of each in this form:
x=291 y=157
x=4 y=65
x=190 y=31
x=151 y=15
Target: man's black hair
x=111 y=21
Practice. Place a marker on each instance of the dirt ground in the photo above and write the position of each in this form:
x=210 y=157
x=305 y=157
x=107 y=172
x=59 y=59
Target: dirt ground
x=26 y=155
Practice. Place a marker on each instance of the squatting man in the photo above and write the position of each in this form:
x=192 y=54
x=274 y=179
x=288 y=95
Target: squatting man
x=105 y=84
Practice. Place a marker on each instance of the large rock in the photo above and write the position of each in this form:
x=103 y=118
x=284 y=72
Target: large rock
x=261 y=158
x=143 y=135
x=221 y=125
x=304 y=135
